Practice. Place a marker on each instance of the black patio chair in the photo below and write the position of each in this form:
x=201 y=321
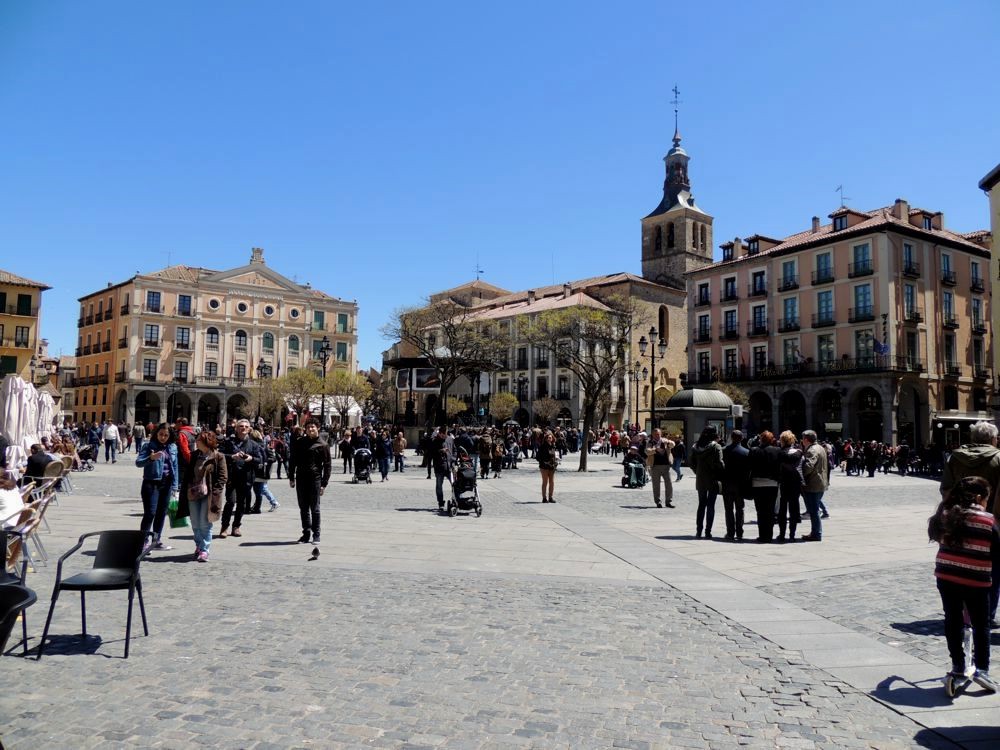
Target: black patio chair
x=116 y=567
x=14 y=598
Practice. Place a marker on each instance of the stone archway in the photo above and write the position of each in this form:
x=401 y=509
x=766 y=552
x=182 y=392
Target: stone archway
x=238 y=406
x=121 y=407
x=178 y=406
x=828 y=413
x=522 y=417
x=759 y=413
x=868 y=410
x=209 y=409
x=792 y=412
x=147 y=407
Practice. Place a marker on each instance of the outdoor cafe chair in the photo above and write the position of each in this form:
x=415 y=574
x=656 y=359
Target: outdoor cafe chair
x=11 y=544
x=14 y=599
x=116 y=567
x=67 y=483
x=55 y=470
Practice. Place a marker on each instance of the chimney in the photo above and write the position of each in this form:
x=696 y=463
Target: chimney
x=566 y=291
x=901 y=209
x=737 y=247
x=531 y=296
x=257 y=255
x=815 y=224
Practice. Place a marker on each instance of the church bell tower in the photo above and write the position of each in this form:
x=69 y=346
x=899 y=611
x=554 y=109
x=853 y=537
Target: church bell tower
x=677 y=235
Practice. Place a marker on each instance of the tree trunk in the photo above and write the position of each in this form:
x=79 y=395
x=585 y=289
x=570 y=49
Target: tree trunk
x=588 y=421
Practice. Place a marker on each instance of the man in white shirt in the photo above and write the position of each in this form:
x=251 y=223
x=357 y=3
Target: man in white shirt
x=110 y=436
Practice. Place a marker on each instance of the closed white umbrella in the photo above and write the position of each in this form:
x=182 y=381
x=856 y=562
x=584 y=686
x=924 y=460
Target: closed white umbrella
x=29 y=416
x=11 y=411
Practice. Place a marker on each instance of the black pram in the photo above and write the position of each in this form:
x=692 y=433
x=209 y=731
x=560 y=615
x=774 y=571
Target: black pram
x=465 y=494
x=362 y=465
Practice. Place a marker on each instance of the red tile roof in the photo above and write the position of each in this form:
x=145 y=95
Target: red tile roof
x=6 y=277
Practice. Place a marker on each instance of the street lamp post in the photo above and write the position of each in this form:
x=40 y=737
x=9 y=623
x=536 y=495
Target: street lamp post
x=522 y=382
x=261 y=370
x=324 y=357
x=659 y=345
x=637 y=375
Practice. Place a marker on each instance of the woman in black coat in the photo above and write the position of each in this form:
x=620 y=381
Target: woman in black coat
x=765 y=459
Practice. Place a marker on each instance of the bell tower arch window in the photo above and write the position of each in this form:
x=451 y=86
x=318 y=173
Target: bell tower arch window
x=658 y=241
x=670 y=234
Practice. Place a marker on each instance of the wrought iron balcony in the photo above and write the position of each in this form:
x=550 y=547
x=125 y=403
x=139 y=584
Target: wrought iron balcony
x=860 y=314
x=977 y=284
x=729 y=295
x=728 y=332
x=913 y=316
x=835 y=367
x=702 y=335
x=979 y=326
x=980 y=373
x=787 y=283
x=823 y=276
x=756 y=289
x=788 y=324
x=911 y=269
x=757 y=328
x=861 y=268
x=703 y=300
x=123 y=343
x=948 y=278
x=823 y=319
x=952 y=368
x=948 y=320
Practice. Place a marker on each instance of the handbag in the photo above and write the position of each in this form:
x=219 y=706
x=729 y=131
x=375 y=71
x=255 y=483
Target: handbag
x=198 y=491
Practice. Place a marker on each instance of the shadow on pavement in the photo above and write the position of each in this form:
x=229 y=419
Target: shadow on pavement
x=269 y=544
x=72 y=645
x=898 y=691
x=930 y=738
x=418 y=510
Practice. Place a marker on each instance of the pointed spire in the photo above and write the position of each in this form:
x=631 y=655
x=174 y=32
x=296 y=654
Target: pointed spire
x=675 y=101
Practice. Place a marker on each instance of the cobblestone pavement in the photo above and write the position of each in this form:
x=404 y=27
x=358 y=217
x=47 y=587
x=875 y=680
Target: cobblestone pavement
x=264 y=649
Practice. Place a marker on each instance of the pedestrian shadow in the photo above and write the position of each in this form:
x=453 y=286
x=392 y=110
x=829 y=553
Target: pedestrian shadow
x=268 y=544
x=921 y=627
x=185 y=557
x=936 y=739
x=689 y=536
x=417 y=510
x=637 y=507
x=898 y=691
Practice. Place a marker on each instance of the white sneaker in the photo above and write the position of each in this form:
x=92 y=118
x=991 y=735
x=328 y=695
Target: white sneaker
x=967 y=649
x=983 y=679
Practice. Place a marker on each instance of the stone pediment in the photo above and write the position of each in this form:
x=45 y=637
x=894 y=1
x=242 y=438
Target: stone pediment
x=256 y=279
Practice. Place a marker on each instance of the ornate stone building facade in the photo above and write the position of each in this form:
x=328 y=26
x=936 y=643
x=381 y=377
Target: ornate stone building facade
x=20 y=308
x=191 y=342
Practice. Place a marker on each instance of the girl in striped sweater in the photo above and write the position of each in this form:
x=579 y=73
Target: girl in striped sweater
x=968 y=539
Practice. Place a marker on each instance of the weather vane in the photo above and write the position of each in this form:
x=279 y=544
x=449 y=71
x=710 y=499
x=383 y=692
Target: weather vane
x=675 y=101
x=840 y=189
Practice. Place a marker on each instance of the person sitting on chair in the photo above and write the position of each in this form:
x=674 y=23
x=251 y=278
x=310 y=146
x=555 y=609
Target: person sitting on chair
x=37 y=462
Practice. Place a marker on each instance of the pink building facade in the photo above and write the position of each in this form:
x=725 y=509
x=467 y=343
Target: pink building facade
x=874 y=326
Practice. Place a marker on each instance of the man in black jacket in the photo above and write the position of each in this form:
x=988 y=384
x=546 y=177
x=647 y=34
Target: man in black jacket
x=441 y=463
x=308 y=474
x=735 y=485
x=243 y=455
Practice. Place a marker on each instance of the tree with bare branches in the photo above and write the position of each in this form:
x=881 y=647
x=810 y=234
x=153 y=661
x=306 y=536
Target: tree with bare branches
x=300 y=387
x=346 y=389
x=502 y=405
x=452 y=340
x=546 y=409
x=592 y=343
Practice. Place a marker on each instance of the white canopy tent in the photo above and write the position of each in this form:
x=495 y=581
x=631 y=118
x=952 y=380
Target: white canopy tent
x=25 y=416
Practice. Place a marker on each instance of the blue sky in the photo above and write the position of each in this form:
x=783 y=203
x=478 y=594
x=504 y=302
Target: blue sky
x=378 y=149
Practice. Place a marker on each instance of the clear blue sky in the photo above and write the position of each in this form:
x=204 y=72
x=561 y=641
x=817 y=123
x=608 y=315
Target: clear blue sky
x=376 y=149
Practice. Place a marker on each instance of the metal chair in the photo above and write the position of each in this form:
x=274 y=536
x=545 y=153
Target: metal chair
x=14 y=599
x=116 y=567
x=55 y=470
x=67 y=483
x=11 y=544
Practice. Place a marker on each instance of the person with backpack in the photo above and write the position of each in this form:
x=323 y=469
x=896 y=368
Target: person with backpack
x=765 y=458
x=499 y=456
x=185 y=442
x=485 y=454
x=262 y=473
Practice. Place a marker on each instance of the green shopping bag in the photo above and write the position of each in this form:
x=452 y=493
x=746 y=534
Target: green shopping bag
x=175 y=522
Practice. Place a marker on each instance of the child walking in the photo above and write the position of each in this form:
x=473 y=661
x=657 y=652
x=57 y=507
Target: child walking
x=968 y=539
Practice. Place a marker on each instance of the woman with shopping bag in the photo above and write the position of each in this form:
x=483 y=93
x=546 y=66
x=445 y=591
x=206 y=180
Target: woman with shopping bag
x=203 y=490
x=158 y=461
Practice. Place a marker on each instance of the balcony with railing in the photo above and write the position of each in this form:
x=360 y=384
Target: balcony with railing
x=151 y=343
x=948 y=320
x=787 y=283
x=542 y=361
x=757 y=289
x=788 y=324
x=87 y=350
x=952 y=368
x=182 y=345
x=834 y=367
x=729 y=295
x=824 y=319
x=124 y=310
x=860 y=314
x=522 y=362
x=106 y=346
x=157 y=309
x=729 y=332
x=948 y=278
x=148 y=378
x=27 y=312
x=89 y=320
x=183 y=312
x=99 y=316
x=861 y=268
x=757 y=328
x=913 y=315
x=80 y=322
x=978 y=326
x=977 y=284
x=212 y=346
x=240 y=348
x=911 y=269
x=823 y=276
x=121 y=377
x=703 y=300
x=123 y=342
x=980 y=372
x=702 y=335
x=563 y=395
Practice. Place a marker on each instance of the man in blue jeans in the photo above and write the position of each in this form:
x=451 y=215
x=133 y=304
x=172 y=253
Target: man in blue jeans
x=814 y=464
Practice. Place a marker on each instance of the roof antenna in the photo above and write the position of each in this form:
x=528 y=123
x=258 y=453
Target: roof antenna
x=840 y=189
x=479 y=270
x=170 y=255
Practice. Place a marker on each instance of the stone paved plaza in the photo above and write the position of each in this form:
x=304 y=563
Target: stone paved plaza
x=597 y=622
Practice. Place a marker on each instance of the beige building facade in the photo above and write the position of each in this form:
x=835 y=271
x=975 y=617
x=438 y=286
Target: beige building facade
x=20 y=310
x=192 y=342
x=874 y=326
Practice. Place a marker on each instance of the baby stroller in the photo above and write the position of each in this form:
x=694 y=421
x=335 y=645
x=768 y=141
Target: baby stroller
x=362 y=465
x=635 y=472
x=87 y=458
x=465 y=494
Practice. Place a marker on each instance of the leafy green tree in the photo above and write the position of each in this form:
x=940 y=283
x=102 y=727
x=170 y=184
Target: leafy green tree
x=502 y=405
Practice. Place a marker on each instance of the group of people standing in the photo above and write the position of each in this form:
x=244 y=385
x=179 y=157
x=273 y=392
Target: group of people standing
x=222 y=476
